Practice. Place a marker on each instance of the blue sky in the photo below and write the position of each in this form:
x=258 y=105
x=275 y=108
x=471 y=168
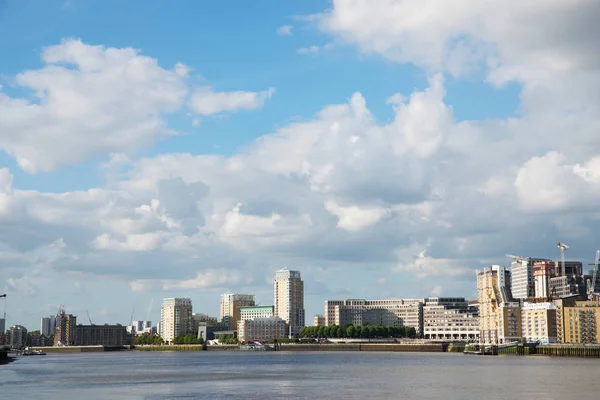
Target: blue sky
x=368 y=198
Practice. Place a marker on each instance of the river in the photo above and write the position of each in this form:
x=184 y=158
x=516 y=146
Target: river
x=295 y=375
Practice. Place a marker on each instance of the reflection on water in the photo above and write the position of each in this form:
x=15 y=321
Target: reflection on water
x=280 y=375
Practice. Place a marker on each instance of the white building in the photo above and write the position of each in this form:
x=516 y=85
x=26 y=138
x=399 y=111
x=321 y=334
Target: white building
x=48 y=325
x=175 y=318
x=289 y=299
x=450 y=318
x=140 y=328
x=393 y=312
x=522 y=277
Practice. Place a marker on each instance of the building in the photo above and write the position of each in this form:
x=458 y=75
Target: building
x=48 y=325
x=36 y=339
x=230 y=308
x=538 y=322
x=106 y=335
x=449 y=318
x=522 y=277
x=499 y=314
x=560 y=306
x=358 y=312
x=566 y=286
x=2 y=330
x=140 y=328
x=64 y=333
x=319 y=320
x=252 y=313
x=289 y=299
x=175 y=318
x=16 y=337
x=262 y=329
x=581 y=323
x=541 y=276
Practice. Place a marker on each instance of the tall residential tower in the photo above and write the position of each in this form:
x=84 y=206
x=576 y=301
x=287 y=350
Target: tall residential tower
x=175 y=318
x=289 y=299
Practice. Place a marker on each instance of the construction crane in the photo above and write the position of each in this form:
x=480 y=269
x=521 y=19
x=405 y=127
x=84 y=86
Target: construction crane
x=88 y=315
x=592 y=284
x=562 y=248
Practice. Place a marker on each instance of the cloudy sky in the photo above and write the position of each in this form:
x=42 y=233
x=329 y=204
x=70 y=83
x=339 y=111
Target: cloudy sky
x=383 y=148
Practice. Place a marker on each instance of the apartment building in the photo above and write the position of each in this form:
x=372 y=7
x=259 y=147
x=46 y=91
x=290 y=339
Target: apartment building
x=450 y=318
x=288 y=289
x=538 y=322
x=581 y=323
x=499 y=314
x=522 y=277
x=358 y=312
x=262 y=329
x=64 y=333
x=175 y=318
x=230 y=308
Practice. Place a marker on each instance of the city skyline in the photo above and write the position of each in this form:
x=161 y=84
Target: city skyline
x=152 y=151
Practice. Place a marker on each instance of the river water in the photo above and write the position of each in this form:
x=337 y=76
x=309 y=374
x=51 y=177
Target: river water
x=295 y=375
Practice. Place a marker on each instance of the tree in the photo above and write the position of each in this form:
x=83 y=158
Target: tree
x=350 y=331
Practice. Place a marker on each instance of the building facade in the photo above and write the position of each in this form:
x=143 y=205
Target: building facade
x=449 y=318
x=319 y=320
x=230 y=308
x=48 y=325
x=249 y=314
x=538 y=322
x=288 y=288
x=106 y=335
x=581 y=323
x=522 y=277
x=138 y=328
x=262 y=329
x=16 y=337
x=64 y=333
x=358 y=312
x=499 y=318
x=175 y=318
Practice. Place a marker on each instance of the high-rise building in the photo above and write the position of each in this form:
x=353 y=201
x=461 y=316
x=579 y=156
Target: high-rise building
x=175 y=318
x=48 y=325
x=499 y=314
x=392 y=312
x=139 y=328
x=289 y=299
x=230 y=308
x=64 y=333
x=2 y=326
x=522 y=277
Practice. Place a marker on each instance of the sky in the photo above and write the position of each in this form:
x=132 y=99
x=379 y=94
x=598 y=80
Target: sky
x=385 y=149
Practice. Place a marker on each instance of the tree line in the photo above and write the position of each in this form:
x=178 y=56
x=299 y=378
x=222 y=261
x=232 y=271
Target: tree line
x=351 y=331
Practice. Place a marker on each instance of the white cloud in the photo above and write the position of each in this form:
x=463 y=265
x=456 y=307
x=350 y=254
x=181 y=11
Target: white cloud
x=87 y=100
x=285 y=30
x=205 y=101
x=315 y=49
x=353 y=218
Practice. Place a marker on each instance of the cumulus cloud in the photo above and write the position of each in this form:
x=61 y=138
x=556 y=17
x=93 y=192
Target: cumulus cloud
x=62 y=123
x=206 y=101
x=315 y=49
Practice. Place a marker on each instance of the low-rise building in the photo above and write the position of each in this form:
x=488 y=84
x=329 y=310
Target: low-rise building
x=538 y=322
x=450 y=318
x=37 y=339
x=261 y=329
x=254 y=313
x=107 y=335
x=393 y=312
